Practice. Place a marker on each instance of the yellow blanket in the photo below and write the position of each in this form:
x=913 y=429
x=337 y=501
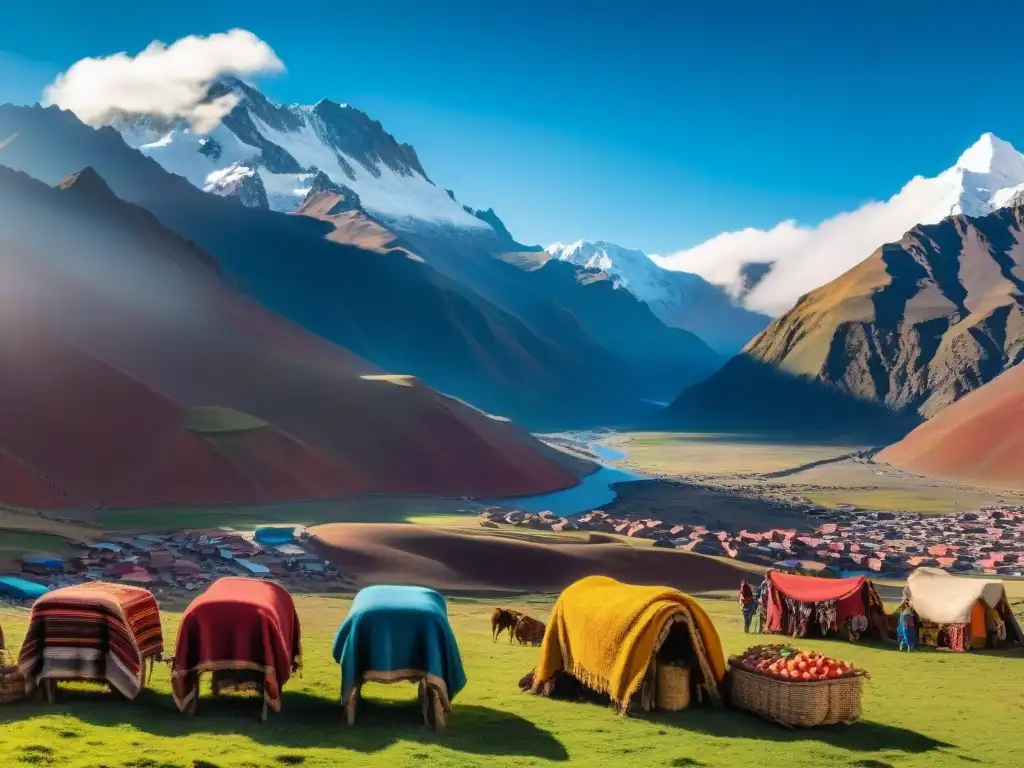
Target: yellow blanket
x=604 y=633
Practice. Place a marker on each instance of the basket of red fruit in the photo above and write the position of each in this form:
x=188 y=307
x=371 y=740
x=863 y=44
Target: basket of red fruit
x=796 y=688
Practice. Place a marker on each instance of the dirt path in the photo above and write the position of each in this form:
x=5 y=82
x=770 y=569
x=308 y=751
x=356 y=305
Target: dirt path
x=35 y=522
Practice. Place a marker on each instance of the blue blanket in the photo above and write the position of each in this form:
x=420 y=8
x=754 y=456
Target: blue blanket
x=399 y=633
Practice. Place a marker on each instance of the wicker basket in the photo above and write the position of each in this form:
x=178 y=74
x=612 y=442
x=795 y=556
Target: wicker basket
x=12 y=685
x=673 y=687
x=803 y=704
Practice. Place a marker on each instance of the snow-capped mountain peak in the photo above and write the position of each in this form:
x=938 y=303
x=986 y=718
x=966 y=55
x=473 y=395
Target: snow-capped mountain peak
x=791 y=259
x=990 y=154
x=679 y=299
x=629 y=268
x=280 y=148
x=988 y=174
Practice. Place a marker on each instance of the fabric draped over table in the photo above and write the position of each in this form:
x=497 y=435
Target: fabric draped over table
x=237 y=624
x=93 y=631
x=791 y=602
x=397 y=633
x=606 y=634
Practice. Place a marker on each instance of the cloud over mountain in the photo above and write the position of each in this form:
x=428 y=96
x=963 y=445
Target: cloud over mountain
x=803 y=258
x=165 y=81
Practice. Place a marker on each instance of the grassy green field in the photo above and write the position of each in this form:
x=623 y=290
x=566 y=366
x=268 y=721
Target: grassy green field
x=366 y=509
x=18 y=543
x=684 y=453
x=921 y=709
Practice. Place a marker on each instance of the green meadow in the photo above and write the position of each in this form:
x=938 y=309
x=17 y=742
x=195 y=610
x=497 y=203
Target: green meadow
x=920 y=709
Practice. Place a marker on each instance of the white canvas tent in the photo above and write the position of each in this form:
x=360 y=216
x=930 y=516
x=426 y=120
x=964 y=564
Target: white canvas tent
x=940 y=598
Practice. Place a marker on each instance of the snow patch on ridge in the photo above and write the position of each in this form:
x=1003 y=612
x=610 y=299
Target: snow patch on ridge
x=402 y=197
x=386 y=192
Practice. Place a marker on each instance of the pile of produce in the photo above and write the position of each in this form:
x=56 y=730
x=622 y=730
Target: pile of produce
x=784 y=662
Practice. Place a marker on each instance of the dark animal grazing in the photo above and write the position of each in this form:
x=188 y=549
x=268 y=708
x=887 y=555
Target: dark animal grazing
x=529 y=631
x=502 y=619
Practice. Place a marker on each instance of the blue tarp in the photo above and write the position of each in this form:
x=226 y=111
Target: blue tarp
x=251 y=567
x=271 y=535
x=20 y=589
x=47 y=561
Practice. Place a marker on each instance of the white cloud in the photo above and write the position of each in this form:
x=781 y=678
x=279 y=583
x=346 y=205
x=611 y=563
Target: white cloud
x=166 y=81
x=807 y=257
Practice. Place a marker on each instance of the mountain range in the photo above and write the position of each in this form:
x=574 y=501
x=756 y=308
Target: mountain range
x=910 y=330
x=137 y=375
x=299 y=255
x=432 y=289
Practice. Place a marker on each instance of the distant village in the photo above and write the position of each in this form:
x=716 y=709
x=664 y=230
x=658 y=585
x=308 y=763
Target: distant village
x=185 y=561
x=990 y=540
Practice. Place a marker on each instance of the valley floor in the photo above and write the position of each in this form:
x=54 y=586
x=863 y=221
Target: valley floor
x=772 y=471
x=915 y=708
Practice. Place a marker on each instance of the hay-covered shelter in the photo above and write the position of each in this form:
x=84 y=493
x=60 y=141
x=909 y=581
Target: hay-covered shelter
x=959 y=612
x=810 y=606
x=638 y=645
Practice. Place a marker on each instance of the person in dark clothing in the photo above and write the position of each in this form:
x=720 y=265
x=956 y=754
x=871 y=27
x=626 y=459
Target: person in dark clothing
x=747 y=604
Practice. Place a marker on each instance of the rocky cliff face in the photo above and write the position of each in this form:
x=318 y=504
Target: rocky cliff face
x=913 y=328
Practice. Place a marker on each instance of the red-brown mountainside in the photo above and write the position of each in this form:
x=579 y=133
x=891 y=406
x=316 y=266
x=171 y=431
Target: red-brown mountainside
x=979 y=439
x=135 y=376
x=912 y=328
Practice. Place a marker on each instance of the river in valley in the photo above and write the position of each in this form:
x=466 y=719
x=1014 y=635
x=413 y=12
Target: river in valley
x=594 y=491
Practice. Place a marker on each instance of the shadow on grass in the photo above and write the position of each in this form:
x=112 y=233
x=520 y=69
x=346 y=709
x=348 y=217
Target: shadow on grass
x=863 y=736
x=308 y=722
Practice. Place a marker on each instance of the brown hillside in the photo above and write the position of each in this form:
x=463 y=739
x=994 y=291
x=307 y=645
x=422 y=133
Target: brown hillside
x=912 y=328
x=114 y=326
x=483 y=562
x=979 y=439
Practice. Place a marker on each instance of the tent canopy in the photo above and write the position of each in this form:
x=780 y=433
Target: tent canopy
x=941 y=598
x=21 y=589
x=813 y=589
x=274 y=534
x=47 y=561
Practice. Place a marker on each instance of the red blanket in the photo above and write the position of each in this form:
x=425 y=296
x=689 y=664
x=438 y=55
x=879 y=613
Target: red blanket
x=237 y=624
x=848 y=594
x=815 y=589
x=92 y=631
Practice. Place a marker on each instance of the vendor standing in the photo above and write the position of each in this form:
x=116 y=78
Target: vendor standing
x=747 y=604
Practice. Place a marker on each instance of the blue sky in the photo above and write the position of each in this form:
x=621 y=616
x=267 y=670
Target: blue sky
x=651 y=124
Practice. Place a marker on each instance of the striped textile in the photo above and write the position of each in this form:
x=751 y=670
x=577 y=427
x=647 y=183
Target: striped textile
x=96 y=631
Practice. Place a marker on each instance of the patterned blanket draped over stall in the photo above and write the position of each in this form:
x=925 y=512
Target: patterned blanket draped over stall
x=397 y=633
x=238 y=624
x=791 y=603
x=606 y=635
x=94 y=631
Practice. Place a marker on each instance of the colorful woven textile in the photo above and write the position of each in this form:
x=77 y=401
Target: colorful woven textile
x=93 y=631
x=791 y=602
x=399 y=633
x=237 y=624
x=605 y=634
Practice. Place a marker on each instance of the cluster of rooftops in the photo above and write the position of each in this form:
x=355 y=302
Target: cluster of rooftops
x=990 y=540
x=185 y=560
